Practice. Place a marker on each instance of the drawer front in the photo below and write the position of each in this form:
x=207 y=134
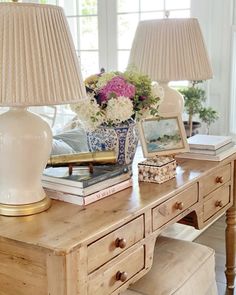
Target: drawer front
x=215 y=180
x=216 y=201
x=173 y=207
x=107 y=281
x=115 y=243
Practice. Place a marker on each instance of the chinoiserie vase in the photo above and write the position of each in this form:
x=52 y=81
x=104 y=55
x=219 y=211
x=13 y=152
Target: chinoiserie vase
x=122 y=138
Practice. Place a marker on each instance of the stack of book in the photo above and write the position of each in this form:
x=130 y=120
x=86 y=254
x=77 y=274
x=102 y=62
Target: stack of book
x=209 y=147
x=83 y=187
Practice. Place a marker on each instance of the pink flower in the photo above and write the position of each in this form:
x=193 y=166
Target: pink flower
x=117 y=86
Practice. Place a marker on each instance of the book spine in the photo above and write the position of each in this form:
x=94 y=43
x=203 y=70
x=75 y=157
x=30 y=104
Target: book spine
x=105 y=184
x=219 y=157
x=117 y=171
x=60 y=187
x=60 y=196
x=87 y=190
x=78 y=200
x=208 y=145
x=213 y=152
x=105 y=176
x=107 y=191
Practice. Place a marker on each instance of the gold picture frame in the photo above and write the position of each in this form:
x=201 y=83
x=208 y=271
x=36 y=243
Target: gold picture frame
x=163 y=136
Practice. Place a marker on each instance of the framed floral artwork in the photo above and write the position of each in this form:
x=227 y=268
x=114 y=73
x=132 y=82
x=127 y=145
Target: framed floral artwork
x=163 y=136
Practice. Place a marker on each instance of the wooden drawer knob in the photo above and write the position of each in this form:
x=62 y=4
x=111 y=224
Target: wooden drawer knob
x=121 y=276
x=219 y=204
x=179 y=205
x=120 y=243
x=219 y=179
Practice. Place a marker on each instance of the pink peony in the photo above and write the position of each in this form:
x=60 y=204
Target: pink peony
x=118 y=87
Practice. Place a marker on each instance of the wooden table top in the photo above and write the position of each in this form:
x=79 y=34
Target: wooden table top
x=66 y=226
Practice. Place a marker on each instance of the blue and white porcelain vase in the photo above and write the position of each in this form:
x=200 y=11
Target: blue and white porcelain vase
x=122 y=138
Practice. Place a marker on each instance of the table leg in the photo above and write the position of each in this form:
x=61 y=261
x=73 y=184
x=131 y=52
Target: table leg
x=230 y=238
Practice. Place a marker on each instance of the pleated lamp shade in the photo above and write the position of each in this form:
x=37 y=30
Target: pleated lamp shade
x=171 y=50
x=38 y=62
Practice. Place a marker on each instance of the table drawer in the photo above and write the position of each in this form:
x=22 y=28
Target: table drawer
x=215 y=180
x=216 y=201
x=170 y=209
x=108 y=280
x=115 y=243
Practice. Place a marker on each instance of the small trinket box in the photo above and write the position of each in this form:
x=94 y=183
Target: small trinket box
x=157 y=169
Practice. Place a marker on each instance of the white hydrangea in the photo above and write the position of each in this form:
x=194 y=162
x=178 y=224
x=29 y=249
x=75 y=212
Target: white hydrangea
x=119 y=109
x=89 y=113
x=157 y=91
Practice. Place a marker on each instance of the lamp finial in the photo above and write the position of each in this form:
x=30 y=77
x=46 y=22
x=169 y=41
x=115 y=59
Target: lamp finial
x=167 y=13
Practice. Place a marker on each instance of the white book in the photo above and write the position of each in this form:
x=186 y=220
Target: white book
x=208 y=142
x=87 y=190
x=81 y=176
x=219 y=157
x=212 y=152
x=80 y=200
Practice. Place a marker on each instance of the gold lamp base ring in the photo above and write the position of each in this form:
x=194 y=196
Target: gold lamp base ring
x=24 y=210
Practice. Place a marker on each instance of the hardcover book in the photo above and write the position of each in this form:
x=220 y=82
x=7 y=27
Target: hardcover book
x=85 y=200
x=212 y=152
x=72 y=189
x=219 y=157
x=208 y=142
x=81 y=176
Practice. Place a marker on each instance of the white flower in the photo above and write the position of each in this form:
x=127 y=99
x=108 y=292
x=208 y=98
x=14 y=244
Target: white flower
x=119 y=109
x=89 y=113
x=157 y=92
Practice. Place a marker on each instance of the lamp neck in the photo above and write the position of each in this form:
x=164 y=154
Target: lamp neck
x=18 y=109
x=164 y=84
x=172 y=102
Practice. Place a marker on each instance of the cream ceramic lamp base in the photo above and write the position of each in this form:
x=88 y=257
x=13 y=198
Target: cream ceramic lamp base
x=173 y=101
x=25 y=145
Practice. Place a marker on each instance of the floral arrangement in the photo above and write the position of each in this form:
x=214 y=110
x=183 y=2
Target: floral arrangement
x=118 y=97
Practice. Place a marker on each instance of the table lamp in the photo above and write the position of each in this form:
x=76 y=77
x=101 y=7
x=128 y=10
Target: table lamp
x=170 y=50
x=38 y=66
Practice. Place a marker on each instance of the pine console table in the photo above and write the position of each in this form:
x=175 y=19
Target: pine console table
x=102 y=248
